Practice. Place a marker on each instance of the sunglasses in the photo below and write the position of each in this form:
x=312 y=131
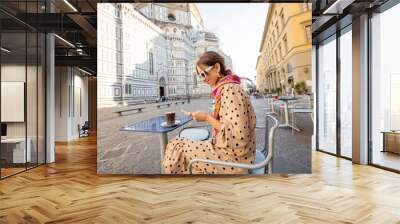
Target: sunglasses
x=204 y=73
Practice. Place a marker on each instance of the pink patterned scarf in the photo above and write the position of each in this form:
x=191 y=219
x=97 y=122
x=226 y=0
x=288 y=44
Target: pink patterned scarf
x=216 y=92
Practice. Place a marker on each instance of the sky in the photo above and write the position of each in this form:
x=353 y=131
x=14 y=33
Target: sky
x=239 y=27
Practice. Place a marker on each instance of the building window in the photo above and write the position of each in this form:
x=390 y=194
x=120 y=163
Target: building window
x=117 y=11
x=345 y=83
x=327 y=96
x=308 y=33
x=385 y=88
x=117 y=92
x=285 y=43
x=126 y=89
x=282 y=17
x=171 y=17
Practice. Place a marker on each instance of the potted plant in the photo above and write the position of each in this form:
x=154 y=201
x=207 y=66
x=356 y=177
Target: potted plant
x=300 y=88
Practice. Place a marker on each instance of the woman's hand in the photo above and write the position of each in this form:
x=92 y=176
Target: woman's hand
x=204 y=116
x=200 y=116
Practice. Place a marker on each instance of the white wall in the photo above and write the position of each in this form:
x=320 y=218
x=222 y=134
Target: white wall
x=61 y=103
x=70 y=83
x=33 y=125
x=79 y=117
x=14 y=73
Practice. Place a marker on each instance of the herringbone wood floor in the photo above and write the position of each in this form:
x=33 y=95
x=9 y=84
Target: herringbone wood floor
x=69 y=191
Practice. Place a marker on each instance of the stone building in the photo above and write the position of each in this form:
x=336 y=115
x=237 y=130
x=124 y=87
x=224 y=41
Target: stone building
x=285 y=51
x=187 y=39
x=175 y=21
x=149 y=50
x=131 y=56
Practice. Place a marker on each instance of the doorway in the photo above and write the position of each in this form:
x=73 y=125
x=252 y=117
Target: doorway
x=162 y=91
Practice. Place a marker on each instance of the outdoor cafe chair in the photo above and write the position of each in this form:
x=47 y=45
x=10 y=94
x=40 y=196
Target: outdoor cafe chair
x=263 y=153
x=302 y=107
x=197 y=133
x=272 y=103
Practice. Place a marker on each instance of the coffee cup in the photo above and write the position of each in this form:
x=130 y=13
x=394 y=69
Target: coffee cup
x=170 y=118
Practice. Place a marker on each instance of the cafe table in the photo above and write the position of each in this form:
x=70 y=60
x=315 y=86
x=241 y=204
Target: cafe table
x=154 y=125
x=285 y=100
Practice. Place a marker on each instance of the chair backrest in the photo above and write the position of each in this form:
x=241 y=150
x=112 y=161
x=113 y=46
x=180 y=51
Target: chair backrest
x=268 y=148
x=303 y=102
x=269 y=140
x=268 y=102
x=86 y=125
x=270 y=133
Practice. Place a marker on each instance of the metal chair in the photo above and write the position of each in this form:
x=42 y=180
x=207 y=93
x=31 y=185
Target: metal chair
x=299 y=107
x=83 y=131
x=270 y=105
x=197 y=133
x=263 y=155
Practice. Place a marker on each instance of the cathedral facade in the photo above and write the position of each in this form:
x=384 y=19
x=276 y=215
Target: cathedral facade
x=149 y=50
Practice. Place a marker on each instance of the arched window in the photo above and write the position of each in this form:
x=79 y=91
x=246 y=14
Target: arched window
x=171 y=17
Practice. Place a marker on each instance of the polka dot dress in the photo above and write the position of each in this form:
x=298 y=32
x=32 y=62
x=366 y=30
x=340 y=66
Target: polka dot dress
x=235 y=142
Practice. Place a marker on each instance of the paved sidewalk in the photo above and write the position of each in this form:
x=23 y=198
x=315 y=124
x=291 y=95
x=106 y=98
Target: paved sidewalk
x=138 y=153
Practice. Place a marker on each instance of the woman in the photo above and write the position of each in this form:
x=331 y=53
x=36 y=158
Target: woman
x=233 y=124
